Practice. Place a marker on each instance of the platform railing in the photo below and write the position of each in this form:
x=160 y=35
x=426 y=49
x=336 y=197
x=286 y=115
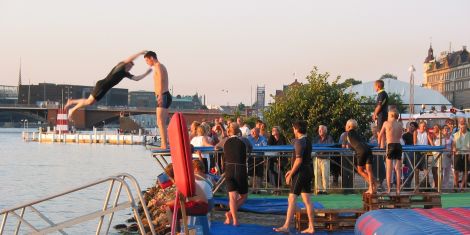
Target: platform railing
x=349 y=181
x=122 y=180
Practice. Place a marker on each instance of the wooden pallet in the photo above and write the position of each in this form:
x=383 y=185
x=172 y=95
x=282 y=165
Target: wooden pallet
x=404 y=200
x=328 y=219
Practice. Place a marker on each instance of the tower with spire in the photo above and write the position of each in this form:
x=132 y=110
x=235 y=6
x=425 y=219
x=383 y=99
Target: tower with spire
x=428 y=62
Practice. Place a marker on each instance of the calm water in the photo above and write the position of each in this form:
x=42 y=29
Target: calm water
x=30 y=171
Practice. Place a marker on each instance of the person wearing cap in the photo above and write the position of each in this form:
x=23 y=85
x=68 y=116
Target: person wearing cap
x=119 y=72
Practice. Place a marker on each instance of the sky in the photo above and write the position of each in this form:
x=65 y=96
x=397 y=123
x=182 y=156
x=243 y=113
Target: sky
x=225 y=49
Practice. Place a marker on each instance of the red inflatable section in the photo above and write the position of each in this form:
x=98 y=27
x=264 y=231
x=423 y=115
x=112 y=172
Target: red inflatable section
x=181 y=155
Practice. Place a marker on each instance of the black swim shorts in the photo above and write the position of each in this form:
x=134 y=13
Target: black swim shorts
x=100 y=89
x=166 y=100
x=236 y=178
x=364 y=158
x=301 y=181
x=394 y=151
x=459 y=162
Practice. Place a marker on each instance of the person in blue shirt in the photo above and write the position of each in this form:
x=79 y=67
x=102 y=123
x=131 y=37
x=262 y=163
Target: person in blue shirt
x=255 y=167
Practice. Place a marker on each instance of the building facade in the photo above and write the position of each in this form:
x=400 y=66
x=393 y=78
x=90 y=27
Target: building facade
x=449 y=74
x=145 y=99
x=60 y=93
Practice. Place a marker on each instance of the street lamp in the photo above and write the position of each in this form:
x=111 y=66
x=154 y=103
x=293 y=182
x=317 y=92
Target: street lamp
x=104 y=123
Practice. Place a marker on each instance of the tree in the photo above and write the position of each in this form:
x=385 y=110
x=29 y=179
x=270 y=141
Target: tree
x=349 y=82
x=241 y=107
x=388 y=75
x=318 y=103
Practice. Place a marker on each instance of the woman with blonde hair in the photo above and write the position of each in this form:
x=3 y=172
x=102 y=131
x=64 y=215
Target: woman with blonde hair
x=201 y=140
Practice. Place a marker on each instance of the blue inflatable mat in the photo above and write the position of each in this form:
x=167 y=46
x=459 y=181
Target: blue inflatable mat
x=219 y=228
x=264 y=205
x=414 y=221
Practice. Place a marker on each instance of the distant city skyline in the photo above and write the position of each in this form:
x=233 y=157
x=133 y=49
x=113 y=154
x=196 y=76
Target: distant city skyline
x=224 y=50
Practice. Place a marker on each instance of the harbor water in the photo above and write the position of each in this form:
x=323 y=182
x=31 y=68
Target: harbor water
x=31 y=170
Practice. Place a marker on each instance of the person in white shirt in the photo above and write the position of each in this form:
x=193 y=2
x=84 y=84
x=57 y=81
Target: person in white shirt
x=243 y=127
x=201 y=140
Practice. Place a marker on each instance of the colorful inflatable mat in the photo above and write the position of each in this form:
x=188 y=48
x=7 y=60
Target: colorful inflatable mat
x=415 y=221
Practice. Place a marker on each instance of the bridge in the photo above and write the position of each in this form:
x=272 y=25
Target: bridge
x=91 y=116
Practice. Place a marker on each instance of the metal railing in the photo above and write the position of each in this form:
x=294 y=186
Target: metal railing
x=123 y=180
x=274 y=164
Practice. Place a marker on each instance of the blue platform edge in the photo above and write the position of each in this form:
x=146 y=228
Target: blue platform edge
x=265 y=205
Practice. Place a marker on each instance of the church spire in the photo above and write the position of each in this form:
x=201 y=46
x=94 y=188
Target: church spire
x=430 y=56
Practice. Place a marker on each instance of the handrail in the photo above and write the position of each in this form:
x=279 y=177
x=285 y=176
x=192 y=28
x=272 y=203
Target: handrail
x=105 y=210
x=341 y=158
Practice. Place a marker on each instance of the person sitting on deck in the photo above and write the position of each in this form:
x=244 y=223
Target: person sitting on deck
x=204 y=181
x=196 y=205
x=363 y=153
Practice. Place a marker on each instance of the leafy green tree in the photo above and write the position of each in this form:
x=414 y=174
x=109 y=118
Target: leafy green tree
x=349 y=82
x=318 y=102
x=241 y=107
x=388 y=75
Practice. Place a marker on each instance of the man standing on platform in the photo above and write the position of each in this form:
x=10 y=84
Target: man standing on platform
x=380 y=115
x=160 y=78
x=300 y=177
x=381 y=109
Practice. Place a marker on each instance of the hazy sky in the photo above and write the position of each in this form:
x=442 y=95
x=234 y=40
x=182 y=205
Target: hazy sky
x=210 y=46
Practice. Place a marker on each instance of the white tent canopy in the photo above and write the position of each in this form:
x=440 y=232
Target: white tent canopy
x=422 y=95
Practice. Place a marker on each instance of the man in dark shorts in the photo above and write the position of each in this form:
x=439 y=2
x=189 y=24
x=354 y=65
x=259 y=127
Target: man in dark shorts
x=363 y=154
x=393 y=131
x=160 y=79
x=300 y=177
x=461 y=148
x=119 y=72
x=236 y=175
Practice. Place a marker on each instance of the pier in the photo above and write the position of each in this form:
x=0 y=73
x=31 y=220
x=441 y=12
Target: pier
x=87 y=138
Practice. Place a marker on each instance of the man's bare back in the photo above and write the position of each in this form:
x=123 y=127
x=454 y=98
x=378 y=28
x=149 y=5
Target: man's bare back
x=393 y=131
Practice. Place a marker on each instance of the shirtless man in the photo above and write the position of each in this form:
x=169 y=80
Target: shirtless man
x=393 y=131
x=120 y=71
x=160 y=78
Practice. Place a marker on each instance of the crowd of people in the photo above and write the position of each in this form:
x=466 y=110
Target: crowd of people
x=306 y=169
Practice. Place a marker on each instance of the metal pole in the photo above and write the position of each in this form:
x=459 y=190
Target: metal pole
x=19 y=221
x=105 y=206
